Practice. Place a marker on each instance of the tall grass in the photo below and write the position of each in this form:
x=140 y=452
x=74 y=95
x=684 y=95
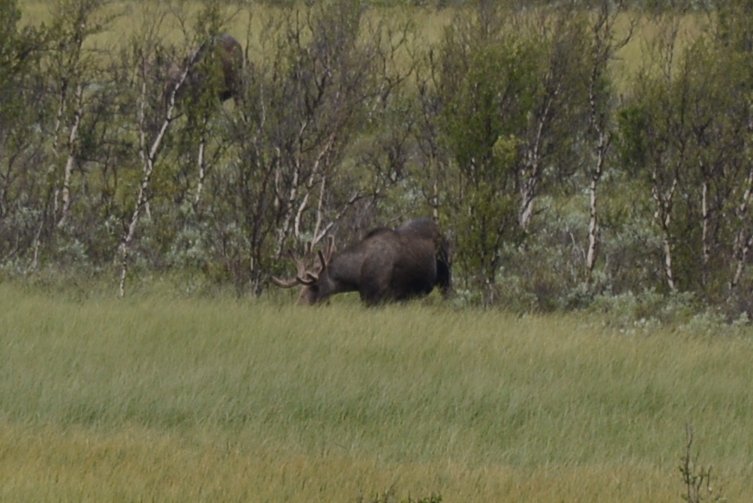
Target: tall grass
x=164 y=398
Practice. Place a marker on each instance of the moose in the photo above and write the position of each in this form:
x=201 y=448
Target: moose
x=219 y=58
x=386 y=265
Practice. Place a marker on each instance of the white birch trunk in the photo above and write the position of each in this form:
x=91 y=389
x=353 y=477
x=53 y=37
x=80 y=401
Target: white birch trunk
x=526 y=206
x=148 y=158
x=284 y=230
x=663 y=216
x=50 y=172
x=202 y=173
x=593 y=223
x=705 y=218
x=668 y=271
x=593 y=228
x=745 y=249
x=532 y=168
x=318 y=172
x=742 y=244
x=71 y=161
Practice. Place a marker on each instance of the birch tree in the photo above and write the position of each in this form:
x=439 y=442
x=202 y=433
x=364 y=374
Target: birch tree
x=509 y=88
x=151 y=128
x=605 y=43
x=72 y=69
x=662 y=126
x=734 y=39
x=324 y=81
x=20 y=142
x=553 y=116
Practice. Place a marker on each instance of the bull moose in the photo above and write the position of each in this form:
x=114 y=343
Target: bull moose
x=386 y=265
x=219 y=58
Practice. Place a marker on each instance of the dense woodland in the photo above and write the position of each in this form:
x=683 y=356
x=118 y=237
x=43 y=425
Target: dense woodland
x=563 y=173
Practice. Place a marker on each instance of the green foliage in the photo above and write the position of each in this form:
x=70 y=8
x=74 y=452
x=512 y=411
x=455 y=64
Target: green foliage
x=348 y=119
x=683 y=133
x=508 y=93
x=482 y=88
x=633 y=126
x=9 y=17
x=734 y=29
x=486 y=103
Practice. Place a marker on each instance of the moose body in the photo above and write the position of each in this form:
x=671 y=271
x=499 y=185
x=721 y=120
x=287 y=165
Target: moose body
x=386 y=265
x=217 y=63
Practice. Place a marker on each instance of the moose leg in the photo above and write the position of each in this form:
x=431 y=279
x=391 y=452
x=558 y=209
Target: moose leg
x=375 y=282
x=372 y=293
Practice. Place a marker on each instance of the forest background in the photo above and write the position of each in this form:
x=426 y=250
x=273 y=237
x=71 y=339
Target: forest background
x=577 y=153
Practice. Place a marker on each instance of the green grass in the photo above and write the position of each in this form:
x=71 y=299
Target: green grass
x=169 y=399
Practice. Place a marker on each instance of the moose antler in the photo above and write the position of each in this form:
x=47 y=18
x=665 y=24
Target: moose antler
x=302 y=277
x=329 y=250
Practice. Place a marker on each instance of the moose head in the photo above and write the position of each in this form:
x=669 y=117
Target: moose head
x=386 y=265
x=218 y=63
x=308 y=277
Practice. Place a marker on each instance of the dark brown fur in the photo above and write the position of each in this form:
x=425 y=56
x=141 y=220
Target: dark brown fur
x=224 y=55
x=387 y=265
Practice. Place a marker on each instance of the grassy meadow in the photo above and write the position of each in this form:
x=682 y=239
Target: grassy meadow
x=124 y=18
x=161 y=398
